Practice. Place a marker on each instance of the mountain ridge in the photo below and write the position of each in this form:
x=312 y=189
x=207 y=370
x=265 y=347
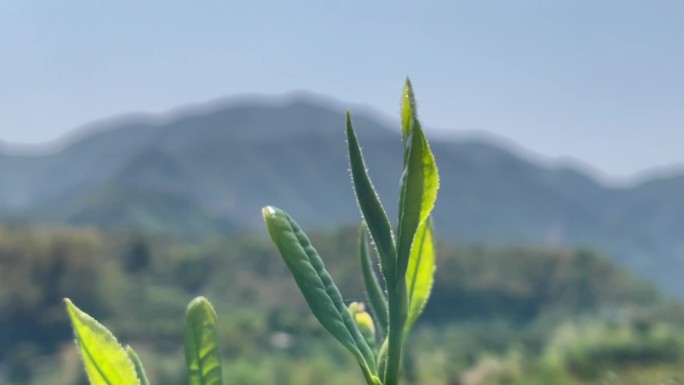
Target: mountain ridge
x=114 y=122
x=209 y=173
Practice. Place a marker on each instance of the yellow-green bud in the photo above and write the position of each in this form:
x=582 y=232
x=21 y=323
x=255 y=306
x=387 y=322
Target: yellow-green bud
x=363 y=321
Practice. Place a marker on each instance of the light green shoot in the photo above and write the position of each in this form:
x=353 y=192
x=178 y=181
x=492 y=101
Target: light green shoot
x=407 y=261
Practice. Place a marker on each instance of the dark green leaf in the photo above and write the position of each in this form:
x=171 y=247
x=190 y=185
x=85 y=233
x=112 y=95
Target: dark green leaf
x=371 y=207
x=376 y=296
x=316 y=285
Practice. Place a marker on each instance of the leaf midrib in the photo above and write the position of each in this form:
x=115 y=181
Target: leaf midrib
x=92 y=359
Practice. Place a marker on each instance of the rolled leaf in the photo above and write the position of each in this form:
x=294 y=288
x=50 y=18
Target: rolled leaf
x=317 y=286
x=377 y=299
x=201 y=344
x=420 y=273
x=105 y=361
x=382 y=356
x=419 y=182
x=371 y=207
x=408 y=110
x=139 y=370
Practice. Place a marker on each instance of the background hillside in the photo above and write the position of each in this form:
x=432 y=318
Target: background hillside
x=546 y=316
x=208 y=172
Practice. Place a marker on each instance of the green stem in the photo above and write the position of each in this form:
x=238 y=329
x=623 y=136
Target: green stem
x=398 y=310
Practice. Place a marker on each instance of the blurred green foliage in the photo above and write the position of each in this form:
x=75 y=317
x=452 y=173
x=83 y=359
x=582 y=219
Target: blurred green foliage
x=37 y=269
x=498 y=315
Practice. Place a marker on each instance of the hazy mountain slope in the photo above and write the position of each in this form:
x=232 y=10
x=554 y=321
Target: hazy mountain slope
x=210 y=172
x=41 y=184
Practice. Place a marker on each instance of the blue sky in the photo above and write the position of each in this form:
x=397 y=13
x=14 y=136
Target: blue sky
x=597 y=81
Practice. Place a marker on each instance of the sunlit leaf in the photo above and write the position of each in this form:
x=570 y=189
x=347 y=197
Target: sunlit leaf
x=408 y=110
x=419 y=182
x=420 y=273
x=201 y=344
x=106 y=362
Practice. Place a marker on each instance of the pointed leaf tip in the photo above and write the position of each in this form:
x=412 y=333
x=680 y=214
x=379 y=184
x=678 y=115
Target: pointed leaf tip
x=105 y=361
x=409 y=115
x=267 y=211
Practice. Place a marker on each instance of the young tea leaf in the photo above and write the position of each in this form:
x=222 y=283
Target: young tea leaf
x=371 y=207
x=408 y=110
x=201 y=344
x=317 y=286
x=139 y=370
x=420 y=273
x=376 y=297
x=418 y=192
x=419 y=182
x=105 y=361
